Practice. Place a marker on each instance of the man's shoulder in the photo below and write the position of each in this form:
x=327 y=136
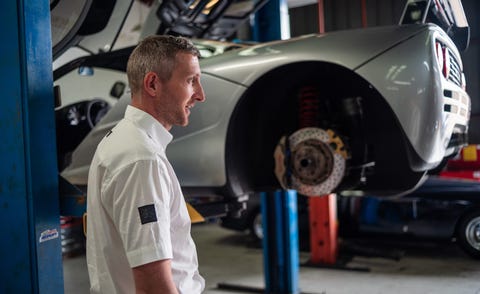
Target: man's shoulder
x=126 y=143
x=125 y=134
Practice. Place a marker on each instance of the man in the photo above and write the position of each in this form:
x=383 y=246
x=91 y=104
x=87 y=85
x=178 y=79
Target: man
x=138 y=232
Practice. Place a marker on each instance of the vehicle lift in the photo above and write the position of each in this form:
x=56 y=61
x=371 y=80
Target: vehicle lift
x=29 y=204
x=279 y=208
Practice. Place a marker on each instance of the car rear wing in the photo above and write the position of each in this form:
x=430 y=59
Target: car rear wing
x=447 y=14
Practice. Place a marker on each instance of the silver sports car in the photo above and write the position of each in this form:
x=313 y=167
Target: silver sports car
x=370 y=110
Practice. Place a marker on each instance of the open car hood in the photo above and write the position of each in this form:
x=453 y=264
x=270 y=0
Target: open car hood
x=202 y=19
x=94 y=25
x=448 y=14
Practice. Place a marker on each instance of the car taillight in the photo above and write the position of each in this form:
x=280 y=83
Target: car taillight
x=446 y=62
x=439 y=52
x=443 y=58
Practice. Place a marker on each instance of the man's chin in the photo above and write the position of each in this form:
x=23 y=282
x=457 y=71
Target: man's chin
x=183 y=123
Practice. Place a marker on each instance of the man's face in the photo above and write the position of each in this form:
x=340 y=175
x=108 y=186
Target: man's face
x=181 y=92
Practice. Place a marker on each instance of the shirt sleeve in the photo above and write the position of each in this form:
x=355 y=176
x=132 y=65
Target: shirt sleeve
x=141 y=211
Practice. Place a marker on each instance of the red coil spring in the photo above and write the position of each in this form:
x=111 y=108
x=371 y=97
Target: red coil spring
x=309 y=107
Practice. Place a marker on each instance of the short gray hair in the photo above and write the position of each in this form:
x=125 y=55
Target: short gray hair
x=156 y=54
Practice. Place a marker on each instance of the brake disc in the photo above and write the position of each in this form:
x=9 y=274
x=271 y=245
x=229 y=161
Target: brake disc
x=311 y=161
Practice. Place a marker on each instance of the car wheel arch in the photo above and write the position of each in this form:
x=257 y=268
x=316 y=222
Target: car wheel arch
x=264 y=114
x=463 y=227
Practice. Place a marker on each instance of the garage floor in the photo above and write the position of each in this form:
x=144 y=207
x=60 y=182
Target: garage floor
x=229 y=257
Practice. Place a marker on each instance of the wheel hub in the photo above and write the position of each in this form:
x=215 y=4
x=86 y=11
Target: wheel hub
x=473 y=233
x=311 y=161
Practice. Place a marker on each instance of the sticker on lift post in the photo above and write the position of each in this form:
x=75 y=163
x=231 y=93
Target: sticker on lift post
x=48 y=235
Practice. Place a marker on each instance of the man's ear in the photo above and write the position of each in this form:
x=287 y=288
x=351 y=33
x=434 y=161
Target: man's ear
x=151 y=83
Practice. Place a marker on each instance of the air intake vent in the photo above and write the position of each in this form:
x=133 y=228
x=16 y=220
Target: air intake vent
x=448 y=63
x=454 y=72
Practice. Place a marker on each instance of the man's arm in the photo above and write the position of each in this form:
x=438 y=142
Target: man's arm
x=154 y=277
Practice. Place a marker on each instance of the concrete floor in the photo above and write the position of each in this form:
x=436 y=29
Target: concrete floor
x=229 y=257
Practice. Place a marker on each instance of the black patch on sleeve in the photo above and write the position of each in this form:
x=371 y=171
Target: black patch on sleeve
x=147 y=214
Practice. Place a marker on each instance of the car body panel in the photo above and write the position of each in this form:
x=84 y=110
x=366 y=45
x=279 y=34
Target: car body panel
x=247 y=65
x=413 y=84
x=206 y=131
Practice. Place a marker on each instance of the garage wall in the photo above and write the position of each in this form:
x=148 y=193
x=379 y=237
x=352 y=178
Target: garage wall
x=344 y=14
x=347 y=14
x=471 y=65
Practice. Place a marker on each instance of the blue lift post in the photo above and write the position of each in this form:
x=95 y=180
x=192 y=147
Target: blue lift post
x=31 y=252
x=279 y=209
x=280 y=242
x=280 y=245
x=271 y=22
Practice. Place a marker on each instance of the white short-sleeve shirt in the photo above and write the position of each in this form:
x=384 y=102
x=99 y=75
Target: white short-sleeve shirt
x=136 y=213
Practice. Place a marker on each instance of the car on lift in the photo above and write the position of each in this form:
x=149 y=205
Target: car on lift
x=440 y=209
x=369 y=109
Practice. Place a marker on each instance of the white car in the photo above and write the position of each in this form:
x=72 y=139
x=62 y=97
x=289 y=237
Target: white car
x=371 y=110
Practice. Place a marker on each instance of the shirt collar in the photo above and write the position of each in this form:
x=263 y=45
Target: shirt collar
x=154 y=129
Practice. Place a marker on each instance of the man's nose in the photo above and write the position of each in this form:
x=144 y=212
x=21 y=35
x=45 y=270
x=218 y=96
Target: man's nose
x=199 y=93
